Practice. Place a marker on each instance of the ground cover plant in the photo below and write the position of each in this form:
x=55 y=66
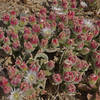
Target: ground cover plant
x=53 y=54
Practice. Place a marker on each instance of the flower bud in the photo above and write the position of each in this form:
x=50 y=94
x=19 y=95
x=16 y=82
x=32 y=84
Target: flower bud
x=93 y=79
x=55 y=42
x=85 y=51
x=57 y=78
x=69 y=76
x=51 y=64
x=71 y=89
x=41 y=75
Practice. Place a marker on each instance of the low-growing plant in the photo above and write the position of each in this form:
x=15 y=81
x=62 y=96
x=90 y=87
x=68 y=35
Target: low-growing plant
x=55 y=50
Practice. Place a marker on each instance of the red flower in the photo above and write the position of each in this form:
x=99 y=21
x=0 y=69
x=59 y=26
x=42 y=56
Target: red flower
x=7 y=89
x=69 y=76
x=57 y=78
x=1 y=35
x=94 y=44
x=71 y=88
x=43 y=11
x=71 y=14
x=26 y=36
x=41 y=75
x=6 y=17
x=13 y=12
x=93 y=77
x=16 y=44
x=32 y=18
x=7 y=48
x=44 y=43
x=64 y=4
x=52 y=16
x=78 y=77
x=55 y=42
x=67 y=65
x=98 y=63
x=4 y=81
x=27 y=30
x=61 y=26
x=54 y=2
x=89 y=36
x=73 y=59
x=14 y=21
x=70 y=42
x=34 y=40
x=51 y=64
x=23 y=19
x=24 y=86
x=23 y=66
x=36 y=28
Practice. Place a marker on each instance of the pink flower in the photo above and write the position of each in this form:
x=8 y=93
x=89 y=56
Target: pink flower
x=6 y=40
x=13 y=12
x=69 y=76
x=12 y=71
x=78 y=77
x=43 y=11
x=18 y=62
x=71 y=14
x=73 y=59
x=28 y=45
x=94 y=44
x=34 y=40
x=82 y=37
x=16 y=44
x=54 y=2
x=6 y=17
x=64 y=4
x=61 y=26
x=7 y=89
x=41 y=75
x=80 y=45
x=89 y=36
x=97 y=63
x=26 y=36
x=7 y=48
x=67 y=64
x=36 y=28
x=16 y=80
x=98 y=23
x=14 y=35
x=51 y=64
x=24 y=86
x=70 y=42
x=1 y=35
x=23 y=19
x=34 y=67
x=23 y=66
x=93 y=79
x=27 y=30
x=78 y=29
x=52 y=16
x=55 y=42
x=44 y=43
x=57 y=78
x=73 y=5
x=14 y=21
x=62 y=36
x=32 y=18
x=71 y=88
x=4 y=81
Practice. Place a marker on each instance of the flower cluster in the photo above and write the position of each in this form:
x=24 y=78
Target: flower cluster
x=58 y=45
